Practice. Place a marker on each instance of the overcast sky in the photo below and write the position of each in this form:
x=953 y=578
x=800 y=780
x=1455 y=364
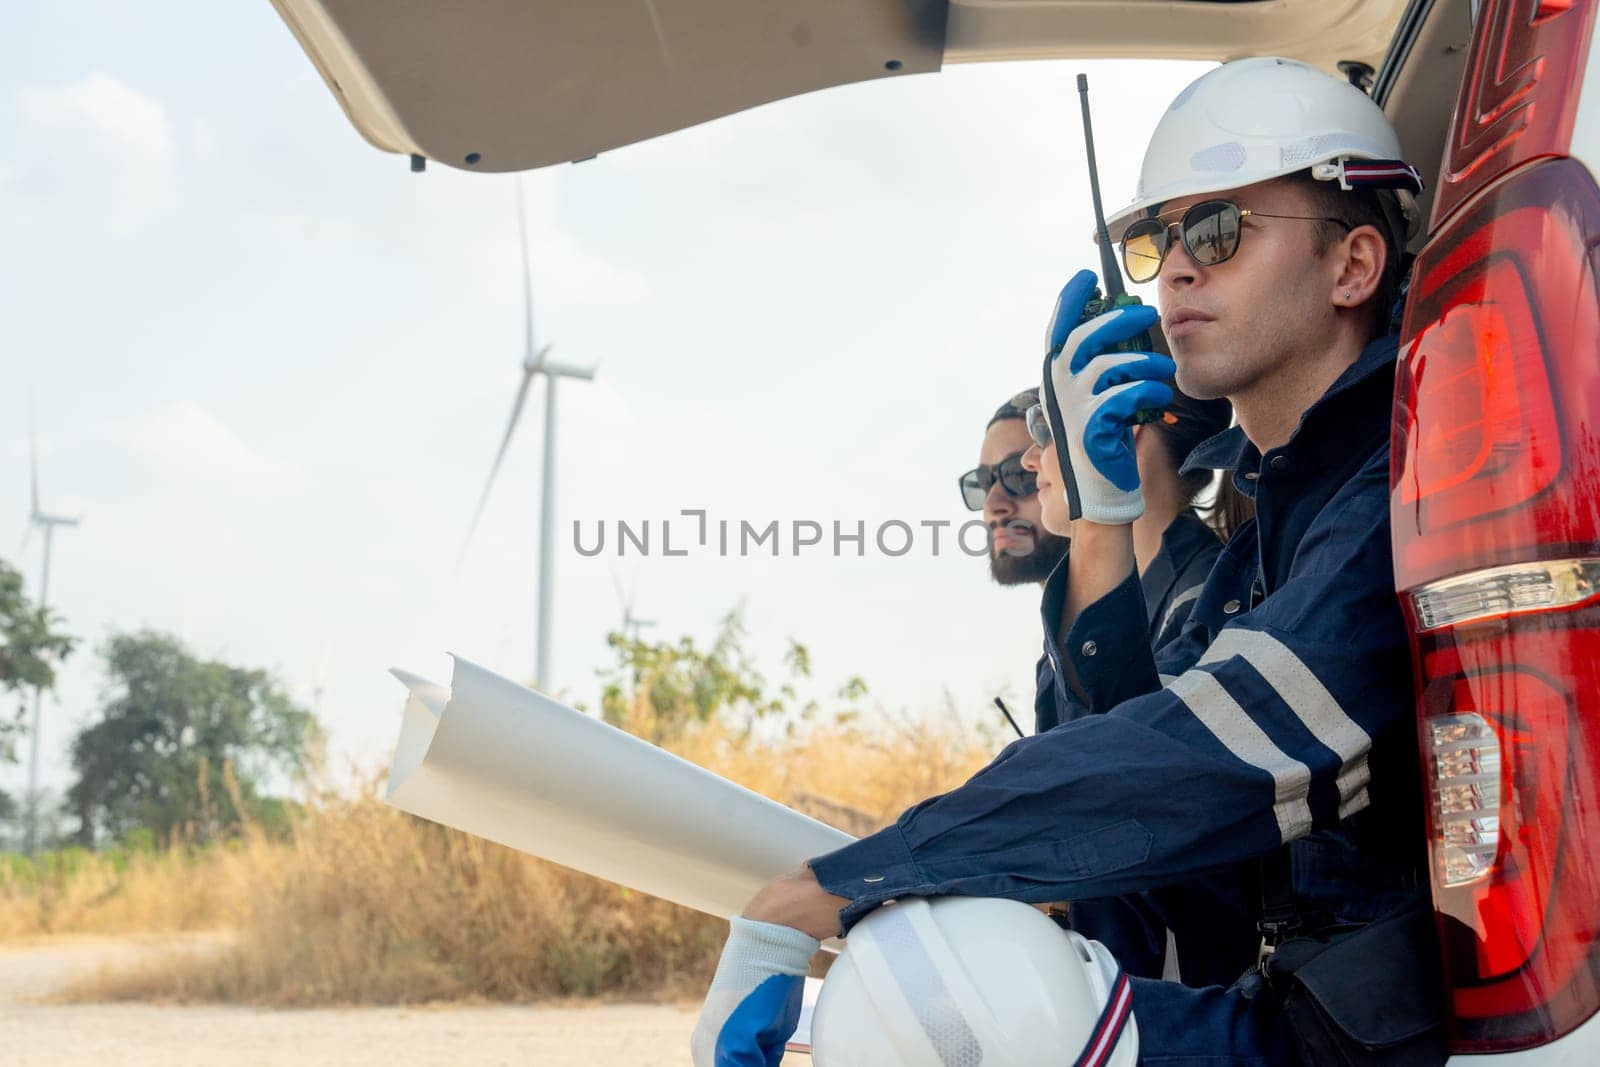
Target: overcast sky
x=271 y=365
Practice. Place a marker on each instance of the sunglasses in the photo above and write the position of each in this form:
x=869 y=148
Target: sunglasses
x=1209 y=231
x=1038 y=426
x=1008 y=472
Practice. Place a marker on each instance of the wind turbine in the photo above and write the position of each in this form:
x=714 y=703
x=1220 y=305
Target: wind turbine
x=631 y=624
x=37 y=517
x=535 y=361
x=319 y=681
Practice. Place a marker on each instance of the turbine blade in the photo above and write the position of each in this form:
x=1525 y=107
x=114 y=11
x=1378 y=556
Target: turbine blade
x=529 y=358
x=499 y=456
x=27 y=536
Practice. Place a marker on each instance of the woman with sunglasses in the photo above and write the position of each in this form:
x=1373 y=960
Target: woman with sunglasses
x=1176 y=541
x=1179 y=535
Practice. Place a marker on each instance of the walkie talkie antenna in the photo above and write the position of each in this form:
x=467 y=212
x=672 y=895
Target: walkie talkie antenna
x=1116 y=297
x=1111 y=274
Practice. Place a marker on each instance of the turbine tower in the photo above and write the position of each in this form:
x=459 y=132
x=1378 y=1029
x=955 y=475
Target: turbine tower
x=535 y=361
x=632 y=625
x=37 y=518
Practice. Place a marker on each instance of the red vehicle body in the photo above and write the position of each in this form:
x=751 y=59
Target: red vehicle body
x=1496 y=505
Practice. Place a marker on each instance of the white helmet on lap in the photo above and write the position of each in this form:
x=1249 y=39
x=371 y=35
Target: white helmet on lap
x=1261 y=118
x=968 y=981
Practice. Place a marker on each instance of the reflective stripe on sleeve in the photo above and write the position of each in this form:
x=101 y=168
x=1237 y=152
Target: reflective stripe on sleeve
x=1354 y=804
x=1299 y=687
x=1209 y=702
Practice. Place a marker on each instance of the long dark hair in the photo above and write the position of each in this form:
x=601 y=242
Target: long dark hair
x=1196 y=421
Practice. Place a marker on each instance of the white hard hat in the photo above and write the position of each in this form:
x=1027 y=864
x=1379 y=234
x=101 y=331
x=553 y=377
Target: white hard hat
x=1260 y=118
x=964 y=981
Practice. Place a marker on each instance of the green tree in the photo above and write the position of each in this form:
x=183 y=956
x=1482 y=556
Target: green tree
x=658 y=690
x=184 y=746
x=30 y=648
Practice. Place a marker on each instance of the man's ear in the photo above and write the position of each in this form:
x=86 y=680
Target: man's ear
x=1360 y=260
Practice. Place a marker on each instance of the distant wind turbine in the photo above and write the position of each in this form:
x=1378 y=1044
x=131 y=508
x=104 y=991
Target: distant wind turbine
x=37 y=517
x=631 y=624
x=319 y=681
x=534 y=361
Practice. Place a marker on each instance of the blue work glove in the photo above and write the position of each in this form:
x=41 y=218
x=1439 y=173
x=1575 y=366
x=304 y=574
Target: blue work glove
x=753 y=1005
x=1100 y=392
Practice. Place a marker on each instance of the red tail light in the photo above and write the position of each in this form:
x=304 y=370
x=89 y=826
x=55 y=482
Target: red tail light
x=1496 y=506
x=1518 y=919
x=1497 y=454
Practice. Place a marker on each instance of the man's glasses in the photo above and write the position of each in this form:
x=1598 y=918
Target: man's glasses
x=1038 y=426
x=1008 y=472
x=1209 y=231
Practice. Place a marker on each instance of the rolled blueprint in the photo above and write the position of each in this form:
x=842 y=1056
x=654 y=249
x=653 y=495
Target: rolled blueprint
x=498 y=760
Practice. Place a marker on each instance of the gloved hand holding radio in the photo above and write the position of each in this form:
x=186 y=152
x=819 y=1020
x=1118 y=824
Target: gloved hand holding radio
x=1100 y=392
x=753 y=1005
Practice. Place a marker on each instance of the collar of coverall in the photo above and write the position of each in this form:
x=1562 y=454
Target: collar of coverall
x=1230 y=449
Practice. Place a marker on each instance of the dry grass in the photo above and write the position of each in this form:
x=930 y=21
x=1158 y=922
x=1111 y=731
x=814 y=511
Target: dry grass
x=363 y=904
x=125 y=891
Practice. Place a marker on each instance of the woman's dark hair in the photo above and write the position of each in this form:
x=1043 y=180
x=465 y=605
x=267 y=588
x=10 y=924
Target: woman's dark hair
x=1197 y=421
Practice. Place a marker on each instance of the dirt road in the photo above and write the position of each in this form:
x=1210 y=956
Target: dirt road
x=144 y=1035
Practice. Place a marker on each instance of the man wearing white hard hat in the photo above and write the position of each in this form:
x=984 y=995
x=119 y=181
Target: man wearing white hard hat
x=1278 y=729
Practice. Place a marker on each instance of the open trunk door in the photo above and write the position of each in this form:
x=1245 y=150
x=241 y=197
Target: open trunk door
x=504 y=85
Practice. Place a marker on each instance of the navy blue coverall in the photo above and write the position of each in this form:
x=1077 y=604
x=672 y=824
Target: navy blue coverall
x=1212 y=928
x=1171 y=585
x=1283 y=713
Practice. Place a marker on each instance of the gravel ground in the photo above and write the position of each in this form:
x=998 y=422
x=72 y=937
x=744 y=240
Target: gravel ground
x=147 y=1035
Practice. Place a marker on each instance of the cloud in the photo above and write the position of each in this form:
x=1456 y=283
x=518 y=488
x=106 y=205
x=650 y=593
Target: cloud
x=97 y=146
x=106 y=110
x=185 y=445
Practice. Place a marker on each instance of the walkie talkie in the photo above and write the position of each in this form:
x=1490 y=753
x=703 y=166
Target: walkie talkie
x=1115 y=296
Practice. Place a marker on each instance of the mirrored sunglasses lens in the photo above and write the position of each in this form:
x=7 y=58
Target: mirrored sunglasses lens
x=1211 y=232
x=1038 y=427
x=973 y=490
x=1144 y=246
x=1016 y=480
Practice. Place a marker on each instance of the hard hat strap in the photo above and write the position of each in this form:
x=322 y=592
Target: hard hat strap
x=1353 y=174
x=1107 y=1030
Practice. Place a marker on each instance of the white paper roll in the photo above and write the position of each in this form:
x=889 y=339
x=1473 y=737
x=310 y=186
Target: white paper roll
x=498 y=760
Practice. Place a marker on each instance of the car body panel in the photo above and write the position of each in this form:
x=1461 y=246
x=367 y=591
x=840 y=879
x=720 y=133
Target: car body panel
x=505 y=85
